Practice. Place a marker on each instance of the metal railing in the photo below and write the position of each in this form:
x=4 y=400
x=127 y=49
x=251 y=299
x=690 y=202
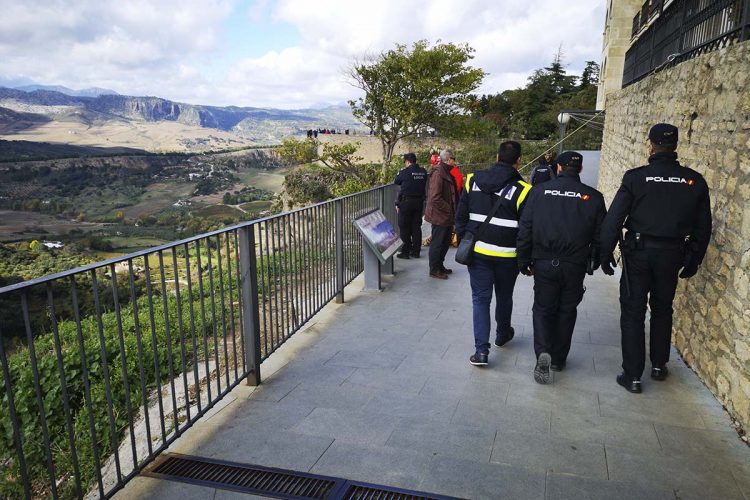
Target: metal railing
x=683 y=29
x=104 y=366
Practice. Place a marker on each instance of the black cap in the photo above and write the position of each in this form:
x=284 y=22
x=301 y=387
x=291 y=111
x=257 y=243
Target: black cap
x=411 y=157
x=570 y=159
x=663 y=134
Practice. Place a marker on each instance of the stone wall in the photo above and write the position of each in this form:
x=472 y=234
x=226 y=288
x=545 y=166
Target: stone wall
x=708 y=98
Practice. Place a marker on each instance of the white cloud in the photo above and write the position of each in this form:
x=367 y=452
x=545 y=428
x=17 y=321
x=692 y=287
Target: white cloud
x=161 y=48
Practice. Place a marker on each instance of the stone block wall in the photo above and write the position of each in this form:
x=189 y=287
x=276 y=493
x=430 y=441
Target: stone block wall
x=708 y=98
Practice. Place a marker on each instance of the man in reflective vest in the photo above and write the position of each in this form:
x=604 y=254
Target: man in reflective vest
x=494 y=265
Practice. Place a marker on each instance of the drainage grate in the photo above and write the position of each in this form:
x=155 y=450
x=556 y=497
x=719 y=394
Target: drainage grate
x=362 y=491
x=277 y=483
x=244 y=478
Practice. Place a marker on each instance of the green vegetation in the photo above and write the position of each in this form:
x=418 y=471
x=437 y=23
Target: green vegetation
x=531 y=112
x=99 y=346
x=409 y=90
x=33 y=151
x=247 y=194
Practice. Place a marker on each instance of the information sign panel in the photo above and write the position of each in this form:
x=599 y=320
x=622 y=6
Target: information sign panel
x=378 y=234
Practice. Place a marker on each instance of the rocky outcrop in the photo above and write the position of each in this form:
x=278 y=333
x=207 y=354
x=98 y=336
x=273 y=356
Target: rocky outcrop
x=708 y=98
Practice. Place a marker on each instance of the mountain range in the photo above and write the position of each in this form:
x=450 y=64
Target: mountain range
x=90 y=92
x=103 y=118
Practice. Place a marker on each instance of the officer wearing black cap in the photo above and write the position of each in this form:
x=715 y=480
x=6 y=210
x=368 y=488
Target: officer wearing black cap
x=666 y=211
x=409 y=203
x=558 y=239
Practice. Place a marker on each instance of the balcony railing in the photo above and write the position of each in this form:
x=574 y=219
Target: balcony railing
x=682 y=30
x=104 y=366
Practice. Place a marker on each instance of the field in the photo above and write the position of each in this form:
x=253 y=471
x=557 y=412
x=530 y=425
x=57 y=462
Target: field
x=256 y=206
x=158 y=197
x=15 y=226
x=270 y=180
x=75 y=129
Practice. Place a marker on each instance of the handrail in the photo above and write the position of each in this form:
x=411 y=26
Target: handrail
x=94 y=357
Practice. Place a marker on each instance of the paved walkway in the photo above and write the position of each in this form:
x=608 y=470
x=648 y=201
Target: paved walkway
x=380 y=389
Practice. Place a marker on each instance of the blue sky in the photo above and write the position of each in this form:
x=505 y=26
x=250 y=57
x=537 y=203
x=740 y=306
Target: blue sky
x=276 y=53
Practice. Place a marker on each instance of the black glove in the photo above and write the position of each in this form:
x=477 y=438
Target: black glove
x=526 y=268
x=689 y=270
x=607 y=263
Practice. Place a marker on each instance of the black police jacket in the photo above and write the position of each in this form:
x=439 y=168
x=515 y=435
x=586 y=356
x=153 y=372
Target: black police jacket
x=480 y=190
x=542 y=173
x=413 y=182
x=661 y=200
x=562 y=220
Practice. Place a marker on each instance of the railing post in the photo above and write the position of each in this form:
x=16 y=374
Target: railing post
x=745 y=31
x=339 y=228
x=386 y=205
x=250 y=305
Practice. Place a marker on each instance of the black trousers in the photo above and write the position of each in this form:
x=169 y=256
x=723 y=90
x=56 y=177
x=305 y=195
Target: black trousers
x=441 y=240
x=653 y=279
x=558 y=289
x=410 y=225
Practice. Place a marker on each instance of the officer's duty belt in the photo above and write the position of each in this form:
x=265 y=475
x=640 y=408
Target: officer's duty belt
x=657 y=243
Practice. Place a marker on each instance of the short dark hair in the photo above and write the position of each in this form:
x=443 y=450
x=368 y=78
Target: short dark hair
x=572 y=169
x=410 y=157
x=664 y=148
x=509 y=152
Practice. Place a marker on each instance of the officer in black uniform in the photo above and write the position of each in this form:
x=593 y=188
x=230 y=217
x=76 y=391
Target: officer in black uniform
x=545 y=170
x=666 y=211
x=410 y=203
x=558 y=240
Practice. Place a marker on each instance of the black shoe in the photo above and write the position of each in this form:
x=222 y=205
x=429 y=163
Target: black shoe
x=402 y=255
x=446 y=270
x=439 y=275
x=478 y=359
x=557 y=367
x=541 y=370
x=415 y=256
x=630 y=384
x=502 y=341
x=659 y=372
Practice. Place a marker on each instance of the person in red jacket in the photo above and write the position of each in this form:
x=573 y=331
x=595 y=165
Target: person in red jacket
x=435 y=158
x=456 y=173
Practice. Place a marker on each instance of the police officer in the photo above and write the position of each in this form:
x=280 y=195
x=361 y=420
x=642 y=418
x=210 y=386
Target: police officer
x=545 y=170
x=494 y=265
x=666 y=211
x=410 y=202
x=558 y=239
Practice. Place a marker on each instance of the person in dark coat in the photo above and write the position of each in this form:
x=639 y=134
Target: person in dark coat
x=441 y=212
x=666 y=211
x=409 y=203
x=557 y=238
x=545 y=170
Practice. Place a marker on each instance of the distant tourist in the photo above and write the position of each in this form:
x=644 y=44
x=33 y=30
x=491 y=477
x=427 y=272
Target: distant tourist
x=441 y=212
x=434 y=158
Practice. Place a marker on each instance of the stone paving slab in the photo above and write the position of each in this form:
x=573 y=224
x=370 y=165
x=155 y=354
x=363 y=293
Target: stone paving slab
x=379 y=389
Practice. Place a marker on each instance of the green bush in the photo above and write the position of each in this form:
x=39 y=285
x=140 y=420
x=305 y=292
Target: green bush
x=50 y=386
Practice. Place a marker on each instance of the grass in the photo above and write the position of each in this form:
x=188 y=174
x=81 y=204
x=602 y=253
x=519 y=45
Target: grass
x=218 y=211
x=256 y=206
x=272 y=180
